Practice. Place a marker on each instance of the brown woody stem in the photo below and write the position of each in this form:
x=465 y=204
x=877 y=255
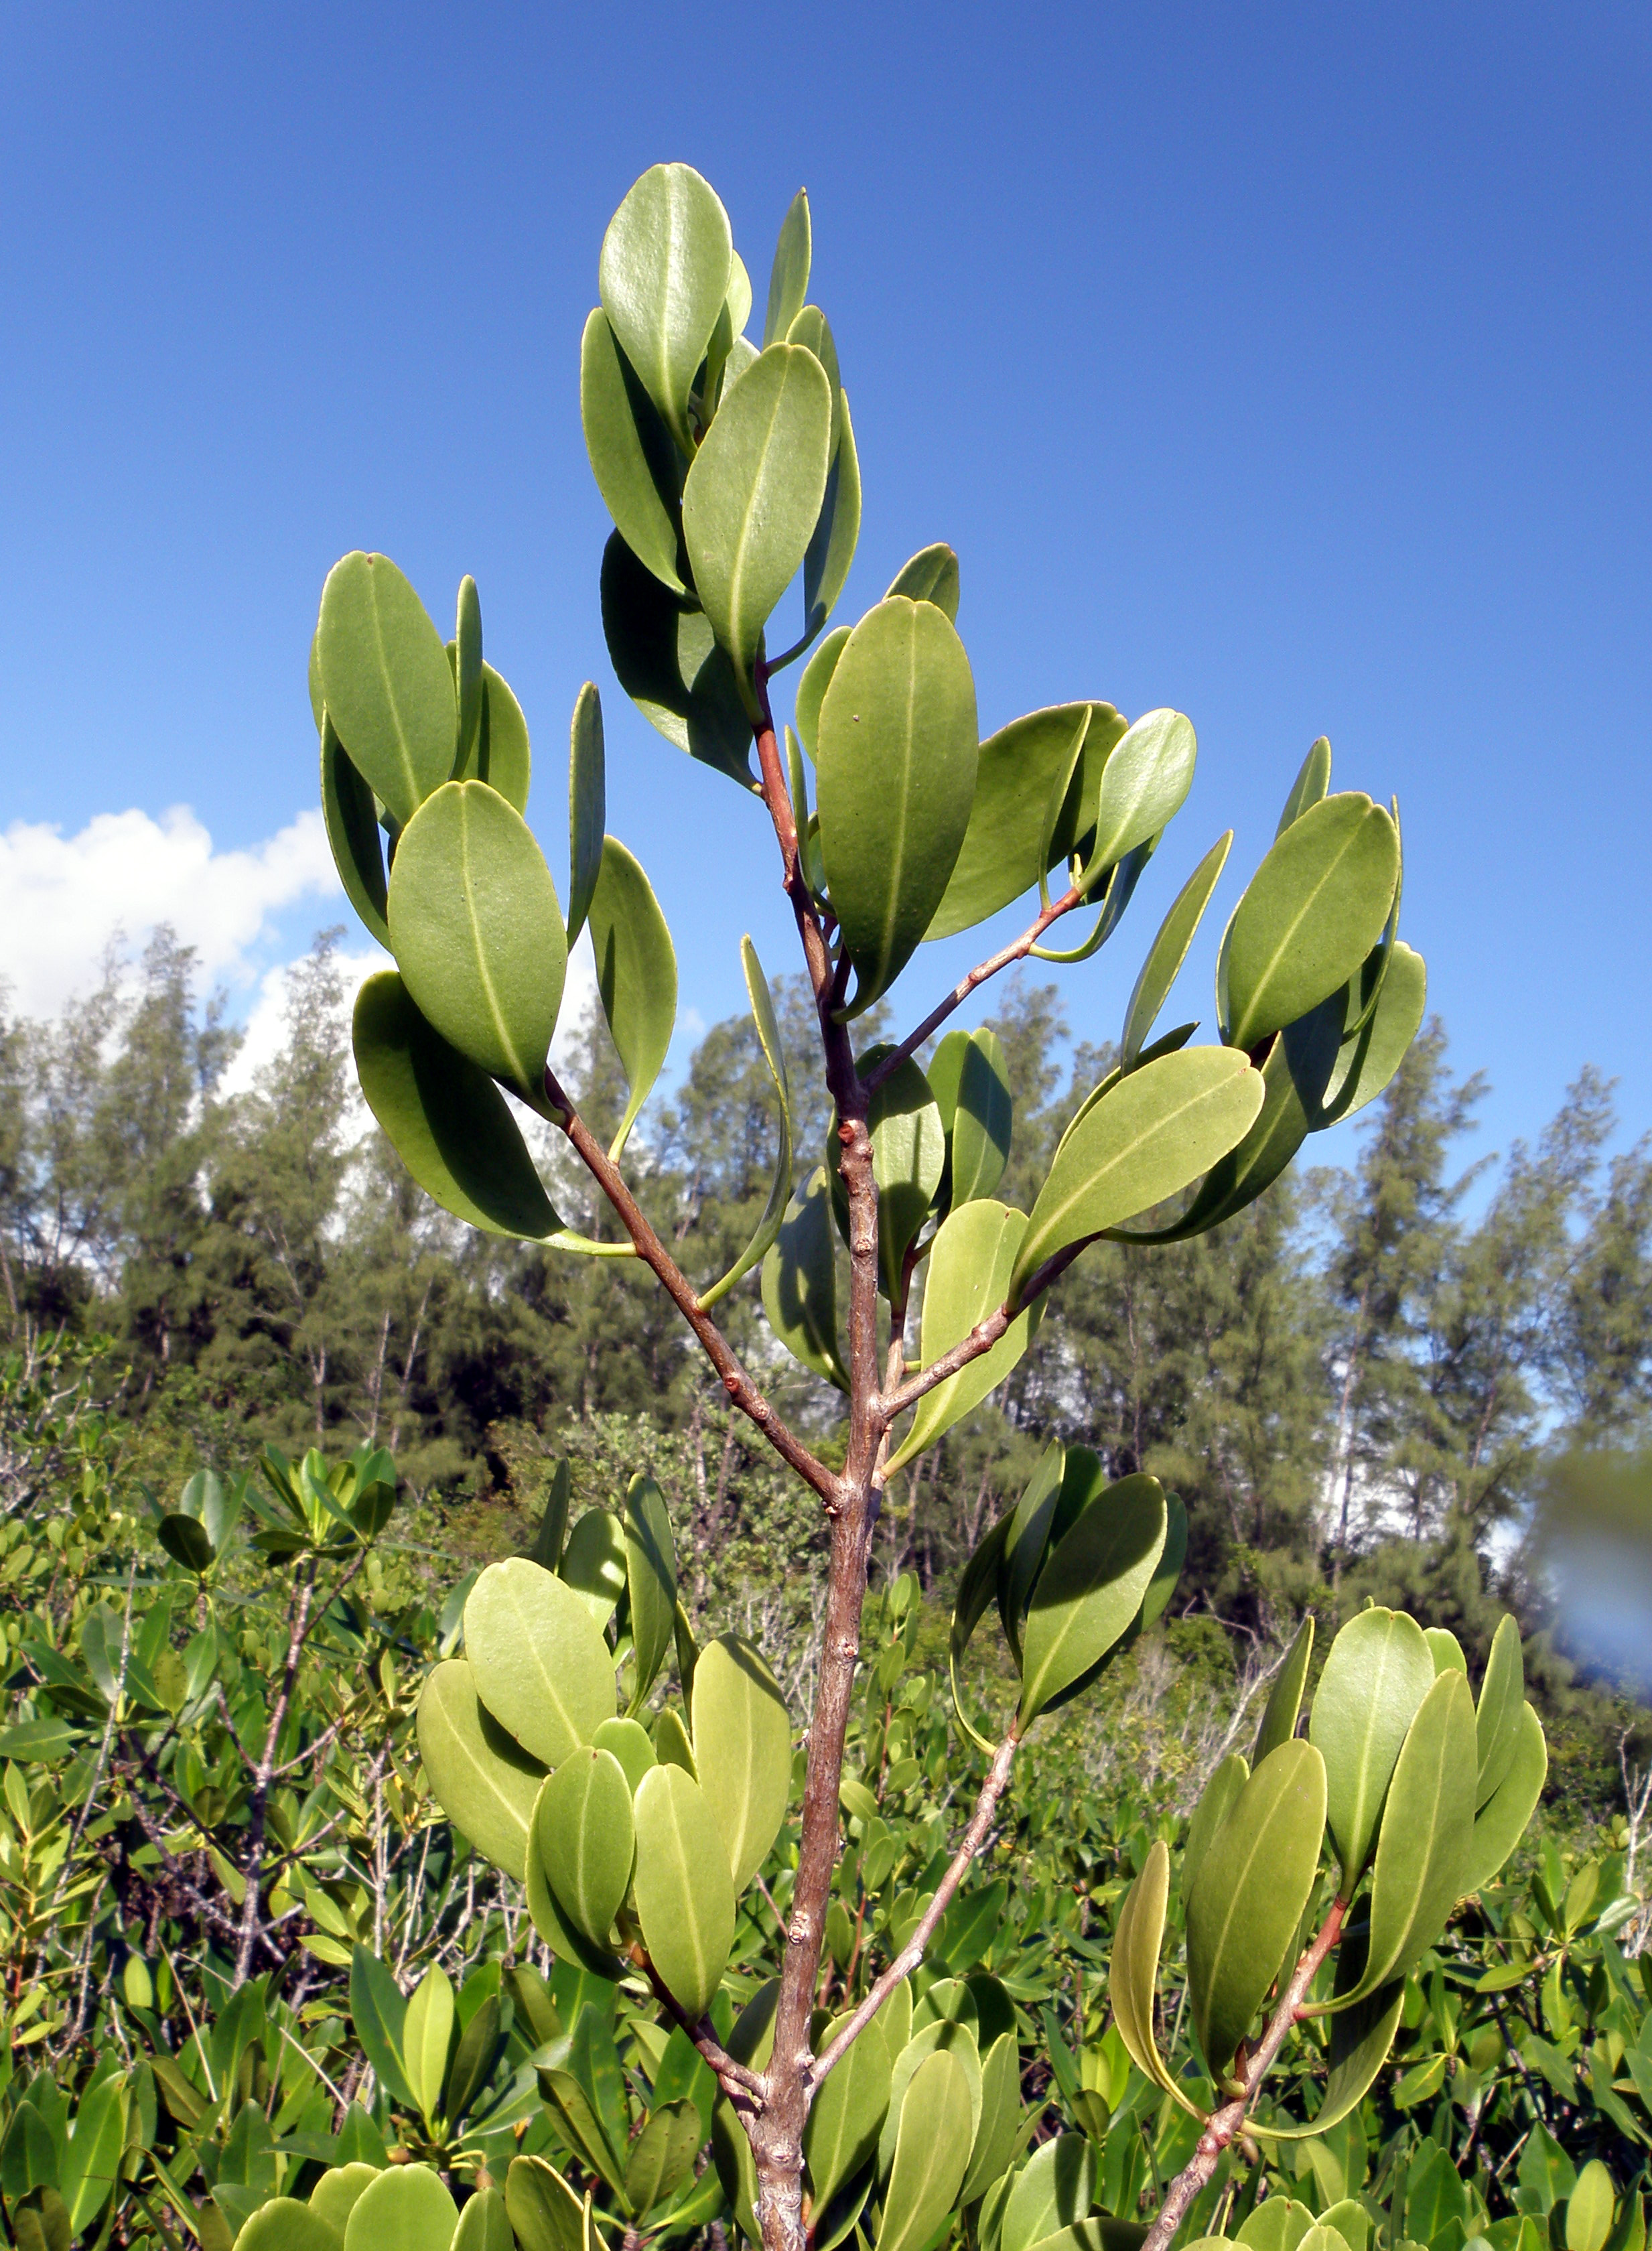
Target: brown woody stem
x=1004 y=959
x=1225 y=2126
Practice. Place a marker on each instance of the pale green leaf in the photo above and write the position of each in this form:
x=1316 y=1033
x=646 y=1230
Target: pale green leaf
x=742 y=1750
x=406 y=2206
x=427 y=2037
x=636 y=975
x=1423 y=1842
x=789 y=275
x=967 y=1278
x=1283 y=1707
x=1500 y=1713
x=847 y=2112
x=385 y=678
x=663 y=277
x=931 y=2154
x=633 y=456
x=931 y=576
x=585 y=1839
x=1502 y=1821
x=1309 y=918
x=541 y=1665
x=1169 y=950
x=1144 y=783
x=1090 y=1588
x=484 y=1781
x=1378 y=1671
x=983 y=1119
x=685 y=1897
x=587 y=804
x=651 y=1576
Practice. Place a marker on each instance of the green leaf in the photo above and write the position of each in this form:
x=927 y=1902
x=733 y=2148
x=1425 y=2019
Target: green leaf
x=634 y=457
x=1313 y=779
x=385 y=679
x=1256 y=1880
x=552 y=1533
x=586 y=1839
x=353 y=833
x=789 y=275
x=406 y=2206
x=35 y=1739
x=1367 y=1062
x=379 y=2010
x=967 y=1278
x=908 y=1155
x=1169 y=950
x=466 y=648
x=931 y=576
x=1591 y=2208
x=91 y=2160
x=799 y=1284
x=501 y=755
x=983 y=1118
x=1284 y=1698
x=1028 y=1538
x=812 y=685
x=754 y=493
x=977 y=1585
x=636 y=975
x=478 y=932
x=773 y=1048
x=473 y=2058
x=1360 y=2039
x=1133 y=1976
x=1502 y=1821
x=1053 y=2189
x=548 y=1916
x=1378 y=1671
x=998 y=2135
x=847 y=2112
x=1445 y=1649
x=629 y=1742
x=593 y=1563
x=1427 y=1829
x=427 y=2035
x=1501 y=1710
x=667 y=659
x=685 y=1899
x=1309 y=918
x=1217 y=1800
x=651 y=1577
x=587 y=806
x=541 y=1667
x=1149 y=1136
x=663 y=278
x=896 y=768
x=931 y=2154
x=1010 y=840
x=484 y=2224
x=484 y=1781
x=837 y=531
x=742 y=1750
x=283 y=2224
x=1090 y=1588
x=1144 y=785
x=574 y=2108
x=662 y=2156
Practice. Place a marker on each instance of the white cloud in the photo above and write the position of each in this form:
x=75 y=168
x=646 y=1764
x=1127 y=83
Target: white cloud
x=62 y=896
x=264 y=1025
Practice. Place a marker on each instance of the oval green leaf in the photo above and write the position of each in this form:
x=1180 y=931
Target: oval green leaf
x=541 y=1665
x=585 y=1839
x=353 y=833
x=283 y=2224
x=1313 y=779
x=484 y=2224
x=1427 y=1829
x=663 y=278
x=1367 y=1063
x=633 y=456
x=789 y=275
x=896 y=771
x=485 y=1782
x=1500 y=1712
x=1010 y=841
x=930 y=576
x=478 y=932
x=1133 y=1976
x=1310 y=916
x=685 y=1898
x=983 y=1119
x=908 y=1155
x=1255 y=1881
x=406 y=2206
x=651 y=1577
x=1090 y=1588
x=753 y=496
x=967 y=1278
x=1149 y=1136
x=504 y=758
x=1217 y=1800
x=1144 y=784
x=593 y=1563
x=636 y=975
x=385 y=678
x=837 y=531
x=1283 y=1707
x=427 y=2036
x=816 y=678
x=742 y=1750
x=1502 y=1821
x=1378 y=1671
x=847 y=2112
x=931 y=2154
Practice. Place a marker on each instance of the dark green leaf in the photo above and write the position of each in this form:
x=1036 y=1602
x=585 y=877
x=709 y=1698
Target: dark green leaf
x=636 y=975
x=651 y=1576
x=353 y=833
x=669 y=662
x=896 y=765
x=662 y=2156
x=1090 y=1588
x=799 y=1284
x=1366 y=1062
x=633 y=456
x=832 y=543
x=587 y=806
x=379 y=2012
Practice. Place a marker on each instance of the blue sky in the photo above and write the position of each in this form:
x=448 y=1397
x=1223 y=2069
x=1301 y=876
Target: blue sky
x=1286 y=365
